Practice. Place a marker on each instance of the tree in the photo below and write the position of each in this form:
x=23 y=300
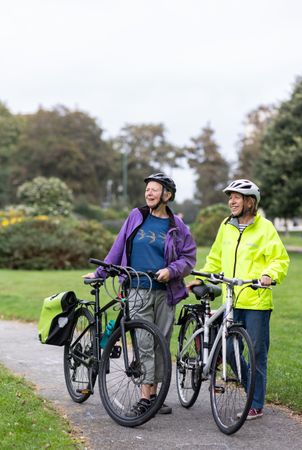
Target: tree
x=279 y=167
x=250 y=143
x=9 y=135
x=49 y=196
x=68 y=145
x=143 y=150
x=211 y=168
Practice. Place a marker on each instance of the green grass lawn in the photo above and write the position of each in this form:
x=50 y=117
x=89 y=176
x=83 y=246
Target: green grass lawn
x=22 y=294
x=28 y=422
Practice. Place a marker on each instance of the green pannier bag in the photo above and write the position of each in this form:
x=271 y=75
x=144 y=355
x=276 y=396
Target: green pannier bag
x=56 y=318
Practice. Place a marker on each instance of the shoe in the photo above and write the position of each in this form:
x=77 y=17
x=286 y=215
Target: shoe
x=253 y=413
x=164 y=409
x=140 y=408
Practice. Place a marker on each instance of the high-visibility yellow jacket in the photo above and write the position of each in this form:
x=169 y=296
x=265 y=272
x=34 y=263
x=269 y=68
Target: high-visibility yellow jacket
x=257 y=251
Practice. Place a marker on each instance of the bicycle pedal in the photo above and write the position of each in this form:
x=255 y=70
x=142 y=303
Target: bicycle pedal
x=116 y=352
x=218 y=389
x=84 y=391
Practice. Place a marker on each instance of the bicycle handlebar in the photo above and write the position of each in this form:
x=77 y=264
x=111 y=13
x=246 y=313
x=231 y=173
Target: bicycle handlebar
x=111 y=269
x=220 y=278
x=114 y=270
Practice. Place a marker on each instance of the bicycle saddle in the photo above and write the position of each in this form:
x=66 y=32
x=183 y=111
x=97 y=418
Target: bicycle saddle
x=206 y=290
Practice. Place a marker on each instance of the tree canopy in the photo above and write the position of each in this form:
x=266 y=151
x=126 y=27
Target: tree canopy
x=70 y=145
x=65 y=144
x=144 y=149
x=211 y=168
x=279 y=168
x=250 y=144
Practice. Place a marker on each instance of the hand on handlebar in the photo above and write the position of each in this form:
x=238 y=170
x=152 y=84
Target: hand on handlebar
x=163 y=275
x=265 y=280
x=89 y=275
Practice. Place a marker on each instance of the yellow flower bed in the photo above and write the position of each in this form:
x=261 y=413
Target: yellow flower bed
x=13 y=216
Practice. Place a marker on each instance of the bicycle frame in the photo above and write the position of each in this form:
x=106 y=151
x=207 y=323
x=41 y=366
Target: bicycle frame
x=227 y=311
x=211 y=346
x=122 y=318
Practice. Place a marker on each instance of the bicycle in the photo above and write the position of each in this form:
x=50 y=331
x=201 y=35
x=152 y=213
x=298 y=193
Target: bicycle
x=121 y=366
x=212 y=346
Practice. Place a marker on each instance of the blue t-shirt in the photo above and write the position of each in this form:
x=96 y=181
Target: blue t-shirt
x=148 y=249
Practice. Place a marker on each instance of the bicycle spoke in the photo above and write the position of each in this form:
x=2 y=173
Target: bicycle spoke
x=120 y=386
x=188 y=370
x=231 y=397
x=77 y=355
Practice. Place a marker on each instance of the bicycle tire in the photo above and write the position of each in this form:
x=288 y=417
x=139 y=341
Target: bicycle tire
x=188 y=371
x=231 y=399
x=80 y=373
x=120 y=388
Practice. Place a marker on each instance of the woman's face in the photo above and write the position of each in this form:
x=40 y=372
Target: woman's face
x=241 y=205
x=153 y=193
x=236 y=203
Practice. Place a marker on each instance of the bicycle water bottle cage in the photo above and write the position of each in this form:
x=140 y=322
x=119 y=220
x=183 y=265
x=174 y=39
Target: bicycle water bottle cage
x=208 y=290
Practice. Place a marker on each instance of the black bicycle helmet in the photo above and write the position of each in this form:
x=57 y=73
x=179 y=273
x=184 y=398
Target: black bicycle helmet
x=164 y=180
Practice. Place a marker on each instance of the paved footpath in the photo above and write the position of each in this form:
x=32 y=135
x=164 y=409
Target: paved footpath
x=22 y=353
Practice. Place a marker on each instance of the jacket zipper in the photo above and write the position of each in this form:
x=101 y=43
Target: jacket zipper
x=235 y=262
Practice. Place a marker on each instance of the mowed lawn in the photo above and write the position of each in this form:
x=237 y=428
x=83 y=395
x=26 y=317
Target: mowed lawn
x=22 y=293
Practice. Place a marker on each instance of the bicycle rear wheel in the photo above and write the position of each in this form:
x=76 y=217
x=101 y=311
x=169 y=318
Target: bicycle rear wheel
x=79 y=369
x=120 y=384
x=188 y=367
x=231 y=398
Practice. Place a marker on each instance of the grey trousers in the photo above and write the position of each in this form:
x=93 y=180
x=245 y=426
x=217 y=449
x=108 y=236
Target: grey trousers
x=152 y=307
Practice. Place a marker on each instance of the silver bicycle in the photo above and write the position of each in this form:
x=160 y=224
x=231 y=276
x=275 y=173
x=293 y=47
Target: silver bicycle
x=211 y=346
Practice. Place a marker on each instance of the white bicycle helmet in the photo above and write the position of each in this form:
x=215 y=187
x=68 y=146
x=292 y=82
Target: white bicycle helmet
x=244 y=187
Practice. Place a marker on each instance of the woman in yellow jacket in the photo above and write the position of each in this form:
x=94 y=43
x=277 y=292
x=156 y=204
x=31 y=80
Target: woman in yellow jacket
x=247 y=246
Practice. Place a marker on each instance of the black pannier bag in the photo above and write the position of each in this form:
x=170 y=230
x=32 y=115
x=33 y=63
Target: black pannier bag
x=56 y=318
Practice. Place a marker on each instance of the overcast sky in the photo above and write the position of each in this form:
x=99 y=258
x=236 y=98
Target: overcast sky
x=183 y=63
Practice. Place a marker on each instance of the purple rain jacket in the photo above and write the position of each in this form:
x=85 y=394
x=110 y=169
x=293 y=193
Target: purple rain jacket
x=180 y=251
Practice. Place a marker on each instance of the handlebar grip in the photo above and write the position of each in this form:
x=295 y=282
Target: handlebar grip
x=152 y=275
x=111 y=269
x=200 y=274
x=273 y=283
x=98 y=262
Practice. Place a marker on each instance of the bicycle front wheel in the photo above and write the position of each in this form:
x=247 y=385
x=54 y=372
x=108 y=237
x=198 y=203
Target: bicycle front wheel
x=79 y=369
x=188 y=365
x=231 y=398
x=143 y=358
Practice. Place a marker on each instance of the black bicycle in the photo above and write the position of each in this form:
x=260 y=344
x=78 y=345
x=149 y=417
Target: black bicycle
x=123 y=365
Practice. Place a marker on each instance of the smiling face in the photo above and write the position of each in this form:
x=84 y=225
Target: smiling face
x=153 y=193
x=242 y=206
x=236 y=202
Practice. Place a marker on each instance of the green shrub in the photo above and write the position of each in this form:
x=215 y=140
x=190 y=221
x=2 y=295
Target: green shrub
x=205 y=227
x=50 y=196
x=52 y=243
x=112 y=219
x=90 y=211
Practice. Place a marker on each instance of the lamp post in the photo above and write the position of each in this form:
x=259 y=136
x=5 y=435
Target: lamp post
x=125 y=176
